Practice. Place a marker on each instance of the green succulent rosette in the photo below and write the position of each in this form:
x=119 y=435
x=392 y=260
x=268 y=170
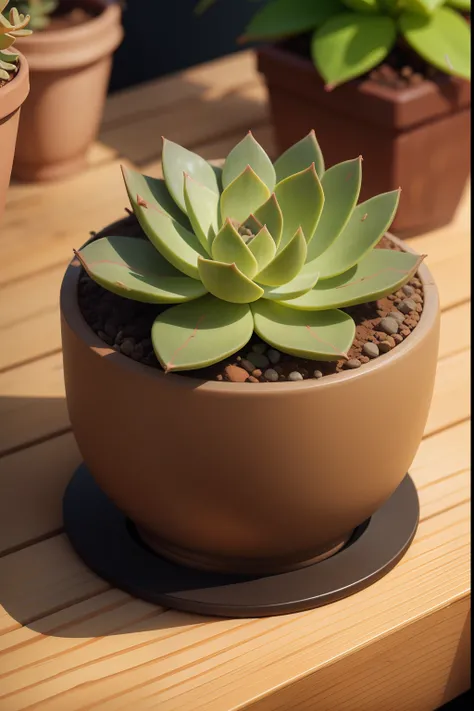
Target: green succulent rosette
x=277 y=249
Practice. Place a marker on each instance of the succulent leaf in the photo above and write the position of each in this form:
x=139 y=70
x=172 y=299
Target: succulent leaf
x=200 y=333
x=244 y=195
x=154 y=192
x=422 y=7
x=263 y=248
x=227 y=282
x=301 y=200
x=174 y=242
x=350 y=44
x=133 y=268
x=270 y=214
x=282 y=18
x=202 y=208
x=230 y=248
x=379 y=273
x=248 y=152
x=287 y=263
x=319 y=335
x=463 y=5
x=176 y=162
x=366 y=226
x=362 y=5
x=299 y=157
x=301 y=284
x=443 y=40
x=341 y=186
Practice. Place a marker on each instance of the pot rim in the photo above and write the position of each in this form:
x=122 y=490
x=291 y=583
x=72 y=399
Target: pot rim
x=14 y=93
x=78 y=45
x=71 y=313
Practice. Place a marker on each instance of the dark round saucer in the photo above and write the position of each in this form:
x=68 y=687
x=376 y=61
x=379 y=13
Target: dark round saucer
x=108 y=543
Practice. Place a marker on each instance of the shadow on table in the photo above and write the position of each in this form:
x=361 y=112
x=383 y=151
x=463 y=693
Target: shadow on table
x=43 y=583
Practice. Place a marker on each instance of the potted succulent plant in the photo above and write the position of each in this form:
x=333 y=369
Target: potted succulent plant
x=14 y=87
x=387 y=78
x=70 y=59
x=237 y=349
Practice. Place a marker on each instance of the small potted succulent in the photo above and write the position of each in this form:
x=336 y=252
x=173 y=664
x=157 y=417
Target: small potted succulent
x=14 y=88
x=249 y=357
x=388 y=78
x=70 y=59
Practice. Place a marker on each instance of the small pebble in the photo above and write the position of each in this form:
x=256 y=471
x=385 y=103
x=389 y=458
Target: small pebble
x=279 y=369
x=353 y=363
x=407 y=306
x=419 y=308
x=405 y=332
x=252 y=379
x=274 y=356
x=417 y=298
x=295 y=375
x=371 y=350
x=137 y=353
x=119 y=338
x=364 y=359
x=408 y=290
x=385 y=347
x=391 y=297
x=397 y=315
x=219 y=376
x=127 y=347
x=248 y=365
x=317 y=374
x=110 y=329
x=389 y=325
x=116 y=347
x=257 y=373
x=258 y=359
x=271 y=375
x=406 y=72
x=397 y=338
x=259 y=347
x=236 y=374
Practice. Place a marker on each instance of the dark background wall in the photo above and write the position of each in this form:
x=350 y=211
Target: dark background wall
x=163 y=36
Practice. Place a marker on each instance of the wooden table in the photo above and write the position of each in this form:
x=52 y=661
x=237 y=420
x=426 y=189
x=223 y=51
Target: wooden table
x=70 y=642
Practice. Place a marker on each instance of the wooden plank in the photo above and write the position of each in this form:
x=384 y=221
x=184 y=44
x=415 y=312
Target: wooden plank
x=32 y=404
x=187 y=662
x=455 y=333
x=451 y=399
x=40 y=474
x=225 y=111
x=45 y=233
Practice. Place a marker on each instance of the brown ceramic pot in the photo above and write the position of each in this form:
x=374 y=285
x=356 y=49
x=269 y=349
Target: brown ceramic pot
x=417 y=138
x=12 y=96
x=246 y=477
x=70 y=70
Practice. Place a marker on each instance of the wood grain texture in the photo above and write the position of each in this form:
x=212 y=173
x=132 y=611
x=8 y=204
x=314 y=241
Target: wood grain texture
x=69 y=642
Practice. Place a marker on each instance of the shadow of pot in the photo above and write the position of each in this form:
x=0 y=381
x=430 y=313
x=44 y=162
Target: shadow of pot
x=70 y=71
x=240 y=477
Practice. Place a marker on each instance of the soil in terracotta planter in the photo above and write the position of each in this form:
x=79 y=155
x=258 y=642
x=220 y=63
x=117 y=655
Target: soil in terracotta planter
x=125 y=325
x=71 y=14
x=403 y=67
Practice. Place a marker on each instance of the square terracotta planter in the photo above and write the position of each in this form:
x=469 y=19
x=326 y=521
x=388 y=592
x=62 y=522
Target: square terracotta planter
x=417 y=138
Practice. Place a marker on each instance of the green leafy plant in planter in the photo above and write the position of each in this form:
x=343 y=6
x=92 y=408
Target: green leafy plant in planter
x=10 y=29
x=40 y=11
x=276 y=249
x=351 y=37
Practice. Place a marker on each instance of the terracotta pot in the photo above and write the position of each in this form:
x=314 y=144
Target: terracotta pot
x=12 y=96
x=241 y=477
x=70 y=70
x=417 y=138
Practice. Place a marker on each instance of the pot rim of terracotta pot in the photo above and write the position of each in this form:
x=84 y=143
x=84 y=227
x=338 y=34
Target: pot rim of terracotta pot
x=14 y=93
x=77 y=46
x=71 y=313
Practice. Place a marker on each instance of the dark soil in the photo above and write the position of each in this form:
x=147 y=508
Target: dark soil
x=125 y=325
x=403 y=67
x=71 y=13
